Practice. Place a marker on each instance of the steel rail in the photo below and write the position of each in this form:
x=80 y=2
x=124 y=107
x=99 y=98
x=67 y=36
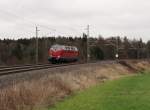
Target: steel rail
x=22 y=67
x=8 y=66
x=14 y=70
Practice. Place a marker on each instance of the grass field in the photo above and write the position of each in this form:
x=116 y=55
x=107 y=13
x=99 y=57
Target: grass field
x=130 y=93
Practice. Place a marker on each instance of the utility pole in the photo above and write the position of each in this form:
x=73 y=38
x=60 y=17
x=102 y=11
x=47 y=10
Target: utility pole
x=138 y=50
x=37 y=45
x=46 y=46
x=88 y=35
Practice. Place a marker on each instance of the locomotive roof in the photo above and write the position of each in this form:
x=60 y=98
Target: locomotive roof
x=63 y=46
x=57 y=45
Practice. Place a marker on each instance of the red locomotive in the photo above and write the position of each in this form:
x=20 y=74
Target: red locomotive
x=62 y=53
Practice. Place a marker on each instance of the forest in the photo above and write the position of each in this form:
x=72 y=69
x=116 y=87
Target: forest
x=23 y=51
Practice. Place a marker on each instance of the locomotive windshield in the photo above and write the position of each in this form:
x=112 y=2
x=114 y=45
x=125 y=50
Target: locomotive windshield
x=56 y=47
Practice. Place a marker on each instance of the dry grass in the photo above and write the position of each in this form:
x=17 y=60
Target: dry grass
x=28 y=95
x=45 y=91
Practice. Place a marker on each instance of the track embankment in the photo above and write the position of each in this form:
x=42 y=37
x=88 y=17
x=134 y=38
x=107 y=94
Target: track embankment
x=35 y=89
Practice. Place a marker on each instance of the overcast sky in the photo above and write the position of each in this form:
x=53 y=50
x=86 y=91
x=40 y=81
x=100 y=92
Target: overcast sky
x=131 y=18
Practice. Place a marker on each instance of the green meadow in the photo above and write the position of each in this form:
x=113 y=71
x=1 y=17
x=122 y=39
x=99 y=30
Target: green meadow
x=128 y=93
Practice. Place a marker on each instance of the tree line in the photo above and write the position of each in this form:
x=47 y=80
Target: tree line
x=23 y=51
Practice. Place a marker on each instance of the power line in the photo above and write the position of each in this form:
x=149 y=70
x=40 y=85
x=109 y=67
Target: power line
x=31 y=23
x=25 y=19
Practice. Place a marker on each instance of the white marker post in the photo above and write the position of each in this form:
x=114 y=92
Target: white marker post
x=117 y=57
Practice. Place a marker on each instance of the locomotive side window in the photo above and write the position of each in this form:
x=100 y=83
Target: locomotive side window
x=76 y=49
x=67 y=48
x=72 y=48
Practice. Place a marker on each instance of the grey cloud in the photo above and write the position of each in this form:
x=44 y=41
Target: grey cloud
x=108 y=17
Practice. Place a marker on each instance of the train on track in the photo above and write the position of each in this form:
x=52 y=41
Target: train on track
x=61 y=53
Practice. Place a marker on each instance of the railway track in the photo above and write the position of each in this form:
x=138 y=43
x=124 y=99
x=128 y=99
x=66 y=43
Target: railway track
x=7 y=70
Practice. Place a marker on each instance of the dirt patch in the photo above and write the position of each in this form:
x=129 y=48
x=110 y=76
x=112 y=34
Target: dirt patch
x=128 y=65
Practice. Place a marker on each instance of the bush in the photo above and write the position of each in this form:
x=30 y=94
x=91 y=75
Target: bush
x=96 y=53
